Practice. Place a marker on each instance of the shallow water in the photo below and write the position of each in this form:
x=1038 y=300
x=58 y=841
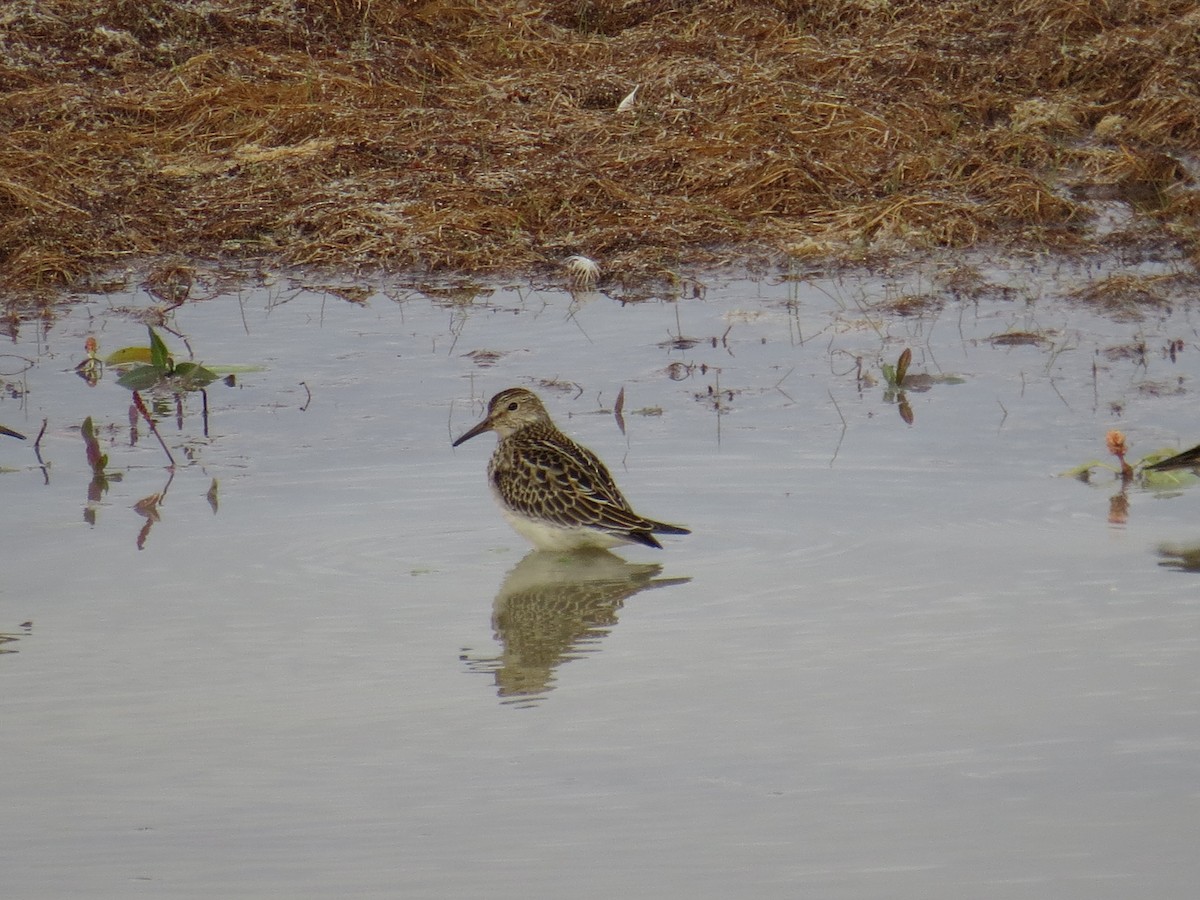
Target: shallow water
x=892 y=660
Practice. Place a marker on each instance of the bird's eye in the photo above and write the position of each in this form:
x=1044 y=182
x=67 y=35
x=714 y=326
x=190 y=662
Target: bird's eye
x=512 y=407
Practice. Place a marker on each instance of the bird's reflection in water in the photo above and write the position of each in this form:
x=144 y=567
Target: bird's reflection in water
x=1179 y=557
x=555 y=607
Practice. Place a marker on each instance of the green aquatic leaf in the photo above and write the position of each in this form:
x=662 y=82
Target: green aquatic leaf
x=160 y=372
x=127 y=355
x=184 y=377
x=1171 y=478
x=234 y=369
x=160 y=357
x=1084 y=472
x=192 y=376
x=1184 y=461
x=143 y=378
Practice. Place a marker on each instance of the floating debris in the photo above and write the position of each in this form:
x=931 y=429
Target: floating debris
x=1018 y=339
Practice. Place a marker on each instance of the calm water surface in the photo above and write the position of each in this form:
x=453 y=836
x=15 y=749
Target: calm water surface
x=893 y=660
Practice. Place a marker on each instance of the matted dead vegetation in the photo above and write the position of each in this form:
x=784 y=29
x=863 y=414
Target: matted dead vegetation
x=484 y=137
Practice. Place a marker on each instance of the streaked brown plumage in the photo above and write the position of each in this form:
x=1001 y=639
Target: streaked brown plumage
x=553 y=491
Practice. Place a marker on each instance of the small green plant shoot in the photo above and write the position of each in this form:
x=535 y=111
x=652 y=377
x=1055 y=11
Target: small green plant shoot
x=158 y=370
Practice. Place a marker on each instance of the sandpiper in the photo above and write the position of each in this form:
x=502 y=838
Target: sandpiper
x=555 y=493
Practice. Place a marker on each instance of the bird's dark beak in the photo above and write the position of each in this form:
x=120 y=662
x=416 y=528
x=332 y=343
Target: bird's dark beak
x=477 y=430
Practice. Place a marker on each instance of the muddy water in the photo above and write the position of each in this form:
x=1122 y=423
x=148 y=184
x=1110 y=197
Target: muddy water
x=895 y=658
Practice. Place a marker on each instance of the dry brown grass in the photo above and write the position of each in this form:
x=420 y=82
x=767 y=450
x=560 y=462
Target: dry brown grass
x=1126 y=297
x=483 y=137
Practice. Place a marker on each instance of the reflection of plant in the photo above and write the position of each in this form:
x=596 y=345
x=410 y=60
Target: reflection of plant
x=97 y=462
x=140 y=407
x=147 y=508
x=91 y=368
x=97 y=459
x=159 y=371
x=895 y=375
